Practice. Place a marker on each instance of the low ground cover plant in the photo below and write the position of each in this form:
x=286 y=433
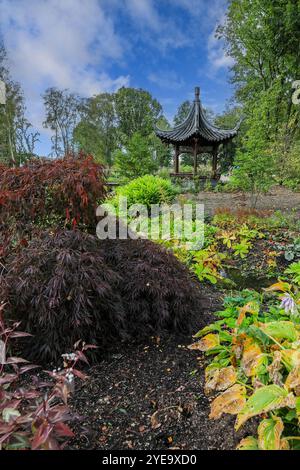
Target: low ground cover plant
x=254 y=363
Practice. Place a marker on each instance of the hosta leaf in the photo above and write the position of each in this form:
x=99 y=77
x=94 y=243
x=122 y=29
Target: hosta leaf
x=284 y=444
x=209 y=341
x=269 y=433
x=279 y=286
x=297 y=403
x=250 y=307
x=264 y=399
x=248 y=443
x=220 y=379
x=293 y=381
x=207 y=329
x=291 y=357
x=275 y=367
x=252 y=358
x=232 y=401
x=280 y=330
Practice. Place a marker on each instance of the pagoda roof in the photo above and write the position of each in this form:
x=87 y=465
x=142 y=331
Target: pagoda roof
x=196 y=125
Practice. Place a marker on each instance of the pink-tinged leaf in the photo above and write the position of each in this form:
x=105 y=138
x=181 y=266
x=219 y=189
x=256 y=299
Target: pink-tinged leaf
x=13 y=404
x=15 y=360
x=5 y=437
x=52 y=444
x=8 y=378
x=6 y=428
x=63 y=430
x=41 y=435
x=82 y=357
x=89 y=346
x=19 y=334
x=80 y=374
x=31 y=394
x=27 y=368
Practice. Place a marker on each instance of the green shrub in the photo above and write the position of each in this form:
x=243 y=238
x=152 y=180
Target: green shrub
x=147 y=190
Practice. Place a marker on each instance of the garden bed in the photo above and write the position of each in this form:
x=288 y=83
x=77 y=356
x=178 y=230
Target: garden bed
x=150 y=396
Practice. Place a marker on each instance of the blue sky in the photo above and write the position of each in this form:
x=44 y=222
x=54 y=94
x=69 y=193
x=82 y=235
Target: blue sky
x=90 y=46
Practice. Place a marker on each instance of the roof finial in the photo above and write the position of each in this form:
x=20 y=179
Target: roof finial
x=197 y=93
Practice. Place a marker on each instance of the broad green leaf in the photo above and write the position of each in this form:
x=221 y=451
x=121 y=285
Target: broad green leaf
x=209 y=341
x=269 y=433
x=280 y=330
x=208 y=329
x=248 y=443
x=232 y=401
x=264 y=399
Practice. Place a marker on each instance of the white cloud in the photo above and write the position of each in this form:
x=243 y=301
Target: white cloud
x=160 y=30
x=59 y=43
x=217 y=56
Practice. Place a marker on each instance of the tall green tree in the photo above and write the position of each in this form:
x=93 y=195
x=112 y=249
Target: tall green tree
x=137 y=111
x=263 y=37
x=97 y=131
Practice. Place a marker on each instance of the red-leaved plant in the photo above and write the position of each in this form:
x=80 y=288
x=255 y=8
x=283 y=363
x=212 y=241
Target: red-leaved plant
x=44 y=193
x=35 y=415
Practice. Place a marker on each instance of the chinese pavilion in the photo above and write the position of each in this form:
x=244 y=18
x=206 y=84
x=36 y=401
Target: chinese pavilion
x=196 y=135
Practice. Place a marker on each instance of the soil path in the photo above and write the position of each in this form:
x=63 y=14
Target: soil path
x=279 y=198
x=150 y=396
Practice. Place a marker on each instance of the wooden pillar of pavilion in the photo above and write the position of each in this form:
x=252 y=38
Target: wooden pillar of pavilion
x=195 y=157
x=176 y=159
x=214 y=162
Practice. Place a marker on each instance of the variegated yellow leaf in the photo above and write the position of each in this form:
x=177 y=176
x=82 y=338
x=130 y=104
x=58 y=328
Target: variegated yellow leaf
x=205 y=344
x=248 y=443
x=250 y=307
x=269 y=433
x=284 y=444
x=291 y=358
x=275 y=367
x=232 y=401
x=264 y=399
x=220 y=379
x=279 y=286
x=293 y=381
x=252 y=358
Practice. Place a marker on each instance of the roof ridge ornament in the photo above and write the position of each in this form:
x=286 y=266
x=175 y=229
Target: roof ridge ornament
x=197 y=93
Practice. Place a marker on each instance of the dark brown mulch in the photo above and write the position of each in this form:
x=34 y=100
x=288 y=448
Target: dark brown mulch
x=150 y=396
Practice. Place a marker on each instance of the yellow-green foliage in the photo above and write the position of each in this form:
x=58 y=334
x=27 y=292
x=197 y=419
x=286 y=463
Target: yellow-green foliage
x=255 y=365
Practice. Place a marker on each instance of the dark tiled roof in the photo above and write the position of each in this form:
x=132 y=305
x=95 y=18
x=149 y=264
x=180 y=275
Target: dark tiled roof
x=196 y=125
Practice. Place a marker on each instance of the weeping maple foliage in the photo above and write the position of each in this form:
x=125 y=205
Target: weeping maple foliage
x=46 y=193
x=70 y=285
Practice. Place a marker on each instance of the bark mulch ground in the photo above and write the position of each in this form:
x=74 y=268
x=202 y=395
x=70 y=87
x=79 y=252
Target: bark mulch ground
x=150 y=396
